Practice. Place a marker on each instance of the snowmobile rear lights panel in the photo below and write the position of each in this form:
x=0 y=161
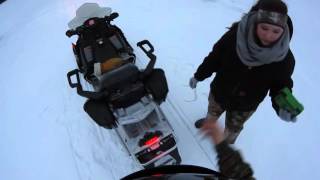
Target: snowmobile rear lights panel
x=148 y=155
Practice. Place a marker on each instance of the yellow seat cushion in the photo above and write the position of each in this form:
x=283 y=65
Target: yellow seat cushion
x=110 y=64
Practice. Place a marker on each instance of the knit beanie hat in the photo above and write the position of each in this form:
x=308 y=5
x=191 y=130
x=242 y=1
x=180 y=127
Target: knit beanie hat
x=272 y=12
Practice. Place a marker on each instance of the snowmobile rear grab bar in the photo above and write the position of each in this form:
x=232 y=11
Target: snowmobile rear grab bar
x=142 y=44
x=80 y=91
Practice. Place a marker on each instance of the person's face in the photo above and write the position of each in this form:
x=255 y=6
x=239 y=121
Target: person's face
x=268 y=33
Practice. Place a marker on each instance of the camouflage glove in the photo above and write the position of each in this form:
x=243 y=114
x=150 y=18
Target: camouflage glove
x=231 y=164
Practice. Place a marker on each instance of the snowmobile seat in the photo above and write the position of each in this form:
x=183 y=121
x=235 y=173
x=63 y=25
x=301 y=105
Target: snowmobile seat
x=123 y=85
x=117 y=78
x=128 y=96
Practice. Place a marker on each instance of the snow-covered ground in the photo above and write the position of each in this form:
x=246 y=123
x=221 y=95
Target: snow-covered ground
x=45 y=134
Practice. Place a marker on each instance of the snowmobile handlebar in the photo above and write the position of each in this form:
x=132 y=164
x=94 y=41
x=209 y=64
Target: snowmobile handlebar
x=80 y=91
x=81 y=28
x=111 y=17
x=142 y=44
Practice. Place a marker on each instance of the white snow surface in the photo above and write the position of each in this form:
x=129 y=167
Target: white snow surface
x=45 y=134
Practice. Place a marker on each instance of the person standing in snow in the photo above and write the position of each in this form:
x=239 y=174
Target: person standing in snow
x=251 y=58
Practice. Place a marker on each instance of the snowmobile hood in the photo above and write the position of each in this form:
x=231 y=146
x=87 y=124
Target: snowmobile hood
x=175 y=172
x=87 y=11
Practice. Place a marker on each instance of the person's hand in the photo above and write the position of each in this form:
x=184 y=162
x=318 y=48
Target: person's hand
x=230 y=161
x=193 y=83
x=287 y=116
x=212 y=130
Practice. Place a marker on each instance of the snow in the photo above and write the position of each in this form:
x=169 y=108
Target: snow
x=45 y=134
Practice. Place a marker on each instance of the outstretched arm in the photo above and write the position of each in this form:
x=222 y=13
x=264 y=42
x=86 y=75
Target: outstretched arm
x=231 y=164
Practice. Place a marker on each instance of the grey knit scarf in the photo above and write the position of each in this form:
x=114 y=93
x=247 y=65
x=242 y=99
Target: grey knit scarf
x=250 y=53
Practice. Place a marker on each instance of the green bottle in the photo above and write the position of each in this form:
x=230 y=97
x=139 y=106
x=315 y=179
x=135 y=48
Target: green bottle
x=285 y=100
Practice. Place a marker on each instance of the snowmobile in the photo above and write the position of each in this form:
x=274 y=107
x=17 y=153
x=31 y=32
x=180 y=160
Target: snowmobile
x=120 y=95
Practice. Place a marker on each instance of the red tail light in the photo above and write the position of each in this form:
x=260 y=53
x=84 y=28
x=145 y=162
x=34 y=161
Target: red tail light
x=152 y=141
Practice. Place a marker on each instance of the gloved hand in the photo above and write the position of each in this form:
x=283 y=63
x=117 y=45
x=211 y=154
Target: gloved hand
x=193 y=83
x=231 y=163
x=286 y=116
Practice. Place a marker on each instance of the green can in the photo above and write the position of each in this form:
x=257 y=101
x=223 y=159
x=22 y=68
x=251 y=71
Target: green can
x=285 y=100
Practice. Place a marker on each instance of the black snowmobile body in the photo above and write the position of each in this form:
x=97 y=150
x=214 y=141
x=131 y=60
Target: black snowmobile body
x=176 y=172
x=120 y=95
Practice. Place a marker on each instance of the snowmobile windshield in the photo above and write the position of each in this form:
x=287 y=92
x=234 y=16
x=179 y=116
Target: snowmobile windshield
x=175 y=172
